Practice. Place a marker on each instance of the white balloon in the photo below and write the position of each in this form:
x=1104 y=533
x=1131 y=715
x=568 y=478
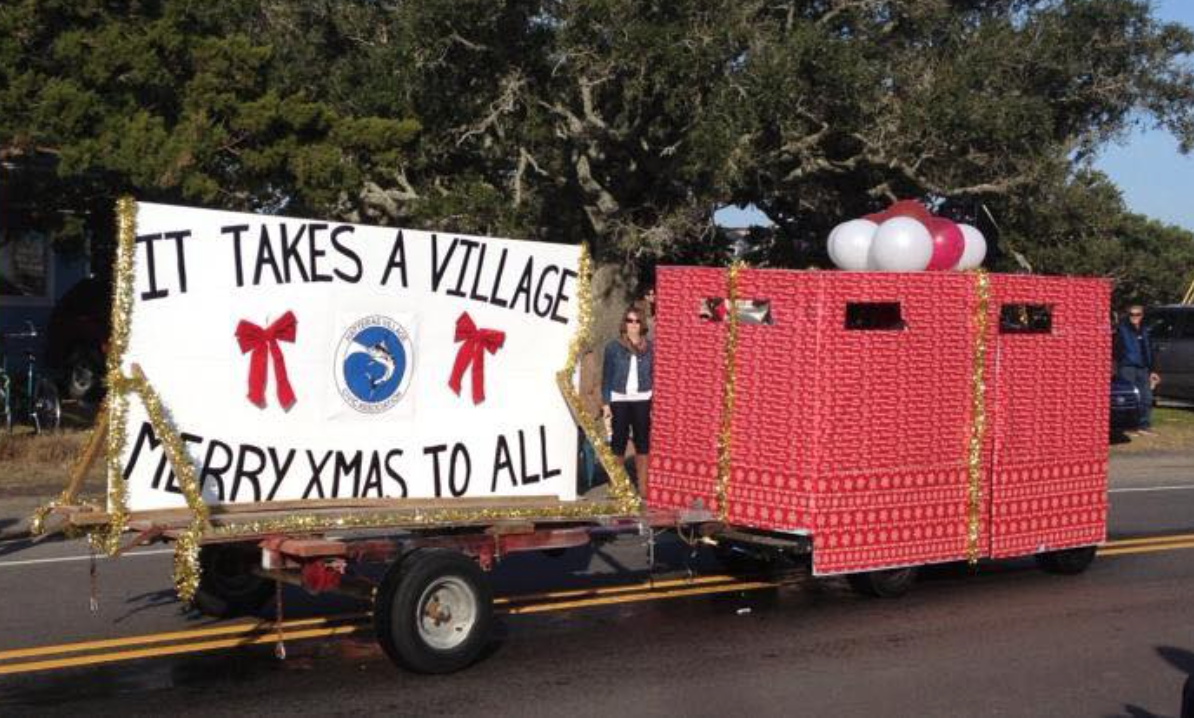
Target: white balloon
x=830 y=245
x=901 y=244
x=850 y=244
x=976 y=248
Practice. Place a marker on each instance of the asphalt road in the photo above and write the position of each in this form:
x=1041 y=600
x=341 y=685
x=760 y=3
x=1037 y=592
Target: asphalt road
x=1009 y=640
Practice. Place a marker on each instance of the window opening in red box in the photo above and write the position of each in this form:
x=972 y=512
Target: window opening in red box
x=750 y=311
x=1026 y=319
x=874 y=316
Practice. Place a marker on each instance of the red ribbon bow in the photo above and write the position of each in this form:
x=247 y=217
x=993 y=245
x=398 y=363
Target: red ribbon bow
x=253 y=338
x=472 y=353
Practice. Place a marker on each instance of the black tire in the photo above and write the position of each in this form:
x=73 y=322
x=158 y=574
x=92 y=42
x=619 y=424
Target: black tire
x=46 y=409
x=890 y=583
x=227 y=585
x=1067 y=562
x=425 y=581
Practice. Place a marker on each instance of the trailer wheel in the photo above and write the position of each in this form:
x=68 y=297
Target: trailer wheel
x=891 y=583
x=1068 y=561
x=227 y=585
x=433 y=611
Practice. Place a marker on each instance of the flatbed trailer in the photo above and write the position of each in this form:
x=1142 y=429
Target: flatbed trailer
x=427 y=581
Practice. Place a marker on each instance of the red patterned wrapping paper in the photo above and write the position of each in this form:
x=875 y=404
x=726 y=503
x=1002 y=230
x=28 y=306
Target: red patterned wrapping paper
x=859 y=437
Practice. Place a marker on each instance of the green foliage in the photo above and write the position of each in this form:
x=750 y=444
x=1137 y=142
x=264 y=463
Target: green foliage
x=623 y=123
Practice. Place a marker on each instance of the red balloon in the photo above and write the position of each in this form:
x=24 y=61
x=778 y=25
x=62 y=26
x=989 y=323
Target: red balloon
x=948 y=244
x=909 y=208
x=877 y=217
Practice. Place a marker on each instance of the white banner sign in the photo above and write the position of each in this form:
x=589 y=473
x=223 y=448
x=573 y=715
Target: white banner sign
x=305 y=360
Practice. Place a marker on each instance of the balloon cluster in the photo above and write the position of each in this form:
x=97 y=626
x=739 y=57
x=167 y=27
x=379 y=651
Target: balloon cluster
x=905 y=237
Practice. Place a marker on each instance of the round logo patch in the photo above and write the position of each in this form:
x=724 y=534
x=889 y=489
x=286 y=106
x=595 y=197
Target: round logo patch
x=374 y=363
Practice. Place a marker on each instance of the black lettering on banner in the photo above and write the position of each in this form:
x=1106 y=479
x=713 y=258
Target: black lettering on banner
x=497 y=280
x=522 y=460
x=561 y=297
x=345 y=468
x=477 y=276
x=393 y=473
x=459 y=489
x=524 y=286
x=541 y=311
x=290 y=252
x=251 y=474
x=434 y=452
x=547 y=472
x=145 y=435
x=172 y=480
x=152 y=266
x=314 y=253
x=346 y=251
x=438 y=269
x=372 y=476
x=502 y=460
x=180 y=249
x=469 y=245
x=397 y=259
x=236 y=230
x=265 y=256
x=280 y=470
x=316 y=481
x=211 y=471
x=160 y=471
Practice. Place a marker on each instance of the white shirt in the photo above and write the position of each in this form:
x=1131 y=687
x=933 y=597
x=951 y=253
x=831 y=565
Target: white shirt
x=632 y=393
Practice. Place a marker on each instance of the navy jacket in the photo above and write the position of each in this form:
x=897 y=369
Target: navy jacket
x=1133 y=351
x=615 y=369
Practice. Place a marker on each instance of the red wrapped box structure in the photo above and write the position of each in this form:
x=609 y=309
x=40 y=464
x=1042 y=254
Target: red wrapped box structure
x=897 y=419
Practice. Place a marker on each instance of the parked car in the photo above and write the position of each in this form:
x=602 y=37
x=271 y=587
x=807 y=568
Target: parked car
x=1125 y=405
x=77 y=339
x=1172 y=330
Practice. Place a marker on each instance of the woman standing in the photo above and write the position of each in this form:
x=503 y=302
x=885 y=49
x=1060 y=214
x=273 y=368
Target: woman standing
x=626 y=391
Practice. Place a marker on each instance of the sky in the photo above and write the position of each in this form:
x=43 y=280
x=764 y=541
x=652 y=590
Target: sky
x=1156 y=180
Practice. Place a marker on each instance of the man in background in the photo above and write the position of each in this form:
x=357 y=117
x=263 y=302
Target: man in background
x=1134 y=362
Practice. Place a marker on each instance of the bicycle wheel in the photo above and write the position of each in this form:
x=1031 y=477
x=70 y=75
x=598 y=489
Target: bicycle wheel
x=5 y=408
x=46 y=410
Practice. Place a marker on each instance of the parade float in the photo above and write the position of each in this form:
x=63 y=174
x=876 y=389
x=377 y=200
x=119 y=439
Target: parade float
x=290 y=399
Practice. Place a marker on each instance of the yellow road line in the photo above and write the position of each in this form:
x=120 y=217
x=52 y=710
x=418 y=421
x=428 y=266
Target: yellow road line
x=269 y=636
x=175 y=649
x=1149 y=540
x=639 y=598
x=259 y=626
x=238 y=628
x=608 y=590
x=262 y=632
x=1145 y=548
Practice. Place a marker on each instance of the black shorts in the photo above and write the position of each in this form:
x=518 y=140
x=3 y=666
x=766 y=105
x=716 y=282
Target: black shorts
x=631 y=419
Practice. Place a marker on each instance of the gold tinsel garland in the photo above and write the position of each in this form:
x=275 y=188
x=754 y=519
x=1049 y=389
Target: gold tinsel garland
x=108 y=539
x=978 y=418
x=37 y=522
x=186 y=545
x=729 y=355
x=626 y=500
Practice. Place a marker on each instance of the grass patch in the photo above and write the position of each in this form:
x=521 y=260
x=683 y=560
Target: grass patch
x=40 y=465
x=1174 y=431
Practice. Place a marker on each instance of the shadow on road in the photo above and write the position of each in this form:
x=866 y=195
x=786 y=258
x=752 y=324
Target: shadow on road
x=1179 y=658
